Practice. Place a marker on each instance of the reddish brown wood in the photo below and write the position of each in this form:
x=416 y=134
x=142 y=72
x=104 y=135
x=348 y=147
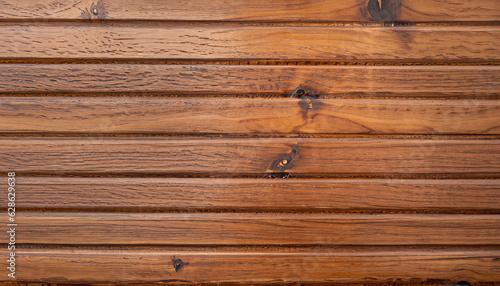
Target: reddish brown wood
x=254 y=10
x=467 y=82
x=257 y=194
x=103 y=155
x=255 y=229
x=247 y=116
x=289 y=264
x=245 y=42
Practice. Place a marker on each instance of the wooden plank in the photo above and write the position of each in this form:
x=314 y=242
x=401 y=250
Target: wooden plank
x=146 y=40
x=255 y=229
x=146 y=155
x=255 y=194
x=247 y=116
x=199 y=265
x=254 y=10
x=422 y=81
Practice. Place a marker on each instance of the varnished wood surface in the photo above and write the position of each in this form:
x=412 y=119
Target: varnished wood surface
x=467 y=82
x=143 y=194
x=183 y=41
x=255 y=229
x=247 y=116
x=254 y=10
x=314 y=264
x=157 y=141
x=100 y=155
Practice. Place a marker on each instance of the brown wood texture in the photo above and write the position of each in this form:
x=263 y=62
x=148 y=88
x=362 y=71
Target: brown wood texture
x=101 y=155
x=157 y=141
x=254 y=10
x=205 y=265
x=256 y=194
x=342 y=81
x=247 y=116
x=183 y=41
x=255 y=229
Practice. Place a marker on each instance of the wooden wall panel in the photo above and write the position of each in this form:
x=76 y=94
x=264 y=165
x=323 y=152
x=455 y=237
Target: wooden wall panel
x=467 y=82
x=183 y=41
x=101 y=155
x=169 y=194
x=157 y=142
x=293 y=264
x=248 y=116
x=254 y=10
x=255 y=229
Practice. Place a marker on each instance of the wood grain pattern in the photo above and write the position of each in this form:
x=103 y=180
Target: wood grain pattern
x=99 y=155
x=254 y=10
x=423 y=81
x=256 y=194
x=247 y=116
x=315 y=264
x=255 y=229
x=183 y=41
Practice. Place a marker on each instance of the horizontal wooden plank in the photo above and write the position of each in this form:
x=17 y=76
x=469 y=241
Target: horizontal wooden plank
x=247 y=116
x=256 y=194
x=317 y=264
x=183 y=41
x=255 y=10
x=255 y=229
x=422 y=81
x=146 y=155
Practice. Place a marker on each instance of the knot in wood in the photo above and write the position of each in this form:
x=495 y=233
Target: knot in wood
x=383 y=10
x=178 y=264
x=285 y=161
x=304 y=92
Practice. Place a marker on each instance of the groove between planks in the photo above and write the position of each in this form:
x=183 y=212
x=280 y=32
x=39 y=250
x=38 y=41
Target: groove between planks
x=153 y=194
x=255 y=10
x=157 y=41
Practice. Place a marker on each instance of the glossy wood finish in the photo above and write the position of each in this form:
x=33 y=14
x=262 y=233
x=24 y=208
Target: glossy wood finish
x=191 y=194
x=158 y=142
x=254 y=10
x=255 y=229
x=183 y=41
x=270 y=264
x=101 y=155
x=248 y=116
x=447 y=82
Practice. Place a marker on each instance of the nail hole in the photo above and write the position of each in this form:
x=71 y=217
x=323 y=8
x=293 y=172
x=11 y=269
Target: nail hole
x=283 y=163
